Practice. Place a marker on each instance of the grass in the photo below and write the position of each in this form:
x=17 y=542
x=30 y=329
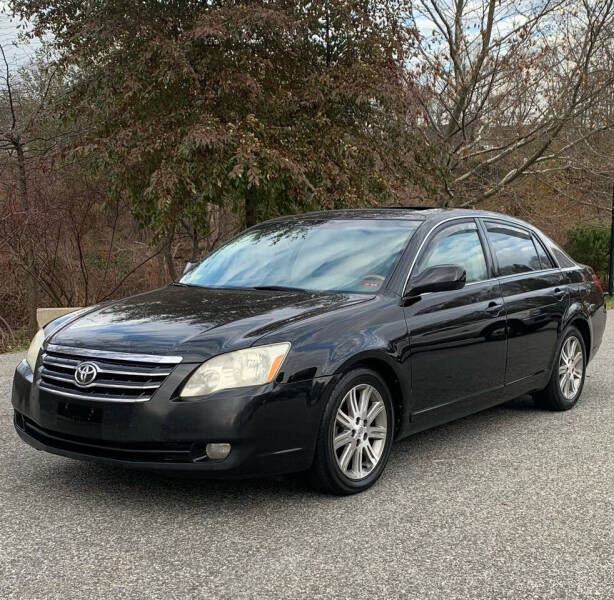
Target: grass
x=609 y=301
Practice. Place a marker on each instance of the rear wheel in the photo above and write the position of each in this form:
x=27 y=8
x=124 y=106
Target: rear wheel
x=355 y=435
x=567 y=380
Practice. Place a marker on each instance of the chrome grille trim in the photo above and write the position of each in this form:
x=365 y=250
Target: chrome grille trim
x=74 y=363
x=121 y=377
x=91 y=396
x=101 y=383
x=66 y=362
x=127 y=356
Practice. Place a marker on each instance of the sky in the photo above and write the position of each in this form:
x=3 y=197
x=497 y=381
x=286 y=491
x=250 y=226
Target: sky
x=17 y=52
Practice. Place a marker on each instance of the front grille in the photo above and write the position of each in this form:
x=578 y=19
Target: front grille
x=142 y=452
x=120 y=377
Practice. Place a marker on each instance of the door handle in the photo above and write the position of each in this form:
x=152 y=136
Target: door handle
x=494 y=308
x=560 y=293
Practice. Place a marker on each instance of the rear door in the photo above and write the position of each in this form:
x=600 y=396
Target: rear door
x=535 y=294
x=457 y=338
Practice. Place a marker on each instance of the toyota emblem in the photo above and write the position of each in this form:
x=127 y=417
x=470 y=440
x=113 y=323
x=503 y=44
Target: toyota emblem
x=85 y=374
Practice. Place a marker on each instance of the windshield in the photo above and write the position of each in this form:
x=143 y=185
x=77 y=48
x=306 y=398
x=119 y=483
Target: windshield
x=349 y=255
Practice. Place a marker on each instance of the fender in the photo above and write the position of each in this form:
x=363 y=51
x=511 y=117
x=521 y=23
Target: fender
x=390 y=367
x=395 y=363
x=577 y=311
x=574 y=310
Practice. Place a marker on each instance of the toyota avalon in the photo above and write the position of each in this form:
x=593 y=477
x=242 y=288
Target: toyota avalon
x=313 y=342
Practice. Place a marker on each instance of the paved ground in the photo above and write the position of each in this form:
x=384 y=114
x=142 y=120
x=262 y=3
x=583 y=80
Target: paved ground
x=511 y=503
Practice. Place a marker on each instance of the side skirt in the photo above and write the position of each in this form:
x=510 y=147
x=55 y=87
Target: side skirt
x=445 y=413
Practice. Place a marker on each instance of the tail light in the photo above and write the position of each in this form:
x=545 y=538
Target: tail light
x=597 y=282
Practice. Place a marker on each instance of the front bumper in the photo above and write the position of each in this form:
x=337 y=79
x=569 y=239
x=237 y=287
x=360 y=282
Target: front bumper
x=272 y=429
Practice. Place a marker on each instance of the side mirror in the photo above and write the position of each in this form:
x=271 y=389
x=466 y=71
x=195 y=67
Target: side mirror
x=188 y=267
x=442 y=278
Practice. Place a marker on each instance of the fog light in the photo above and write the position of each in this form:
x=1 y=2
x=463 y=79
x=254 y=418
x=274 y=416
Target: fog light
x=217 y=451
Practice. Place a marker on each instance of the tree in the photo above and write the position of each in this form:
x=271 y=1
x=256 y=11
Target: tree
x=23 y=109
x=266 y=107
x=62 y=242
x=509 y=88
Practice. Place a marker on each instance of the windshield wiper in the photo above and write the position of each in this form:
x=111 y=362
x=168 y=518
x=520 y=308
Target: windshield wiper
x=276 y=288
x=279 y=288
x=181 y=284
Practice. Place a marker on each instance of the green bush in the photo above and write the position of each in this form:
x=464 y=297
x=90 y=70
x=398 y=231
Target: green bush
x=589 y=243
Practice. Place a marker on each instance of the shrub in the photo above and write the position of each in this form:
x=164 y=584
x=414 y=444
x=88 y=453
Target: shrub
x=589 y=243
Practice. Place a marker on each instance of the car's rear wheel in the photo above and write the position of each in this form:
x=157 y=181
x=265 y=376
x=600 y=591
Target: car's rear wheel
x=567 y=380
x=355 y=435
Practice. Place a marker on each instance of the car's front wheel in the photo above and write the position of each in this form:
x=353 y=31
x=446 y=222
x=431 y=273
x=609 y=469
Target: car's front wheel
x=355 y=435
x=568 y=372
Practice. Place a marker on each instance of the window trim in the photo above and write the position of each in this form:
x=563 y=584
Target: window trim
x=491 y=258
x=488 y=249
x=442 y=225
x=537 y=241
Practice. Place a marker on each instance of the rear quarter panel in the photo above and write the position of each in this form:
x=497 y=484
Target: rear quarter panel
x=587 y=301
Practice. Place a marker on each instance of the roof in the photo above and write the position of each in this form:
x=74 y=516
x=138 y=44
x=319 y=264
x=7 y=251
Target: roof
x=413 y=213
x=383 y=212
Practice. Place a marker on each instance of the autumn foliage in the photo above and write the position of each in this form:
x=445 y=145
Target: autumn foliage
x=149 y=132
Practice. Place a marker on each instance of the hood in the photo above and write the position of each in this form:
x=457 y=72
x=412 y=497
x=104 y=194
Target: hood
x=194 y=322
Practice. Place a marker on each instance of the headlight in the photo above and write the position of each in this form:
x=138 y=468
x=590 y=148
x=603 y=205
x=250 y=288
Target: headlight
x=242 y=368
x=34 y=349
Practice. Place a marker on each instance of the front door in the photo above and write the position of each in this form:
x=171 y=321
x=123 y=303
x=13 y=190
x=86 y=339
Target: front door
x=457 y=338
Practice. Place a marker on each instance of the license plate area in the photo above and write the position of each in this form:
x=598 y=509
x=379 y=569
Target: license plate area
x=80 y=413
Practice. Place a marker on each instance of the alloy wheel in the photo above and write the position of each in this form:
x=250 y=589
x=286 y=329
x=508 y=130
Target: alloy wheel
x=571 y=367
x=360 y=431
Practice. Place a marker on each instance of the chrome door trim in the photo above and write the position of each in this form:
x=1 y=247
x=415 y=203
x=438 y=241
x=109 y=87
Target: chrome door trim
x=538 y=272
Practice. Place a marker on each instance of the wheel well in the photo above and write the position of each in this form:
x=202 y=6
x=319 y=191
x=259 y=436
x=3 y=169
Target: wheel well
x=583 y=328
x=392 y=381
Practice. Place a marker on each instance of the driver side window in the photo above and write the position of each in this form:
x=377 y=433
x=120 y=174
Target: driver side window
x=457 y=244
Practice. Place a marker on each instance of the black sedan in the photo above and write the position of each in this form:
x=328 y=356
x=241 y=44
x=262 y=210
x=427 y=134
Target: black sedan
x=313 y=342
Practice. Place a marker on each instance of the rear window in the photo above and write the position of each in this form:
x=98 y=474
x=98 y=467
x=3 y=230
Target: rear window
x=564 y=260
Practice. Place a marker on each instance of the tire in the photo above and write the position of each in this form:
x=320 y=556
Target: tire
x=357 y=412
x=562 y=393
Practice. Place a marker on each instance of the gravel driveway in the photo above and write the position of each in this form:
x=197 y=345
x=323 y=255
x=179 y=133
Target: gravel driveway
x=510 y=503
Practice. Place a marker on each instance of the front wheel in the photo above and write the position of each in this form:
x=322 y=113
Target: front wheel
x=355 y=435
x=567 y=380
